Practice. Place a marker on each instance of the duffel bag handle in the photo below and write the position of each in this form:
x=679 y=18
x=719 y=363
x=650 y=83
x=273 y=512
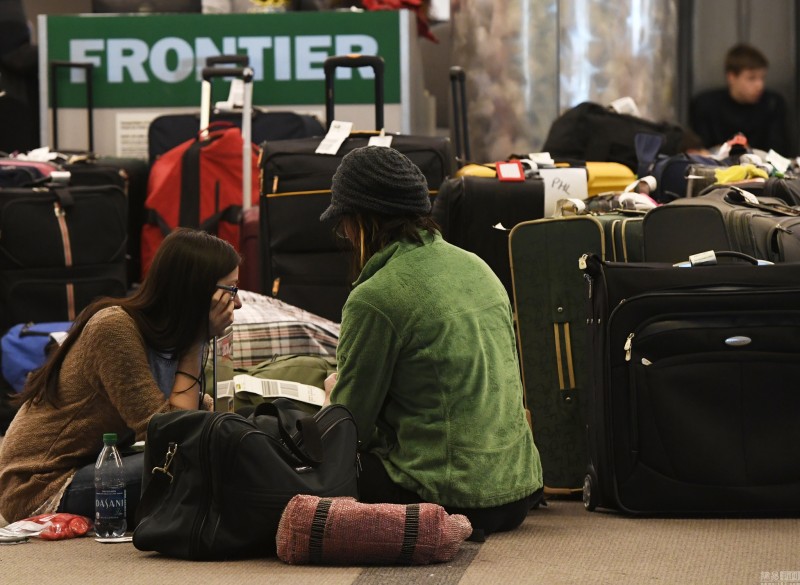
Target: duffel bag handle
x=291 y=418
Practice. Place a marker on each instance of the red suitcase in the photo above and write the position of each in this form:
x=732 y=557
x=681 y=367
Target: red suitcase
x=214 y=175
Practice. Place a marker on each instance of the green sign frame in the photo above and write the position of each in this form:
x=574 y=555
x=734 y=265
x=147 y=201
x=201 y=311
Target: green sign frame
x=154 y=61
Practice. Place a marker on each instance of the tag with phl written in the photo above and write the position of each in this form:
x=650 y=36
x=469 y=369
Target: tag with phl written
x=563 y=183
x=337 y=134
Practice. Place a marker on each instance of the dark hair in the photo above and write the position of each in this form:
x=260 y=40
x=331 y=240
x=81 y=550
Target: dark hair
x=170 y=308
x=380 y=231
x=744 y=56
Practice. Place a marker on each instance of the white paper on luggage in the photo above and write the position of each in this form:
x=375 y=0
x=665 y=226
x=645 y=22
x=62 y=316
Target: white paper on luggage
x=382 y=140
x=337 y=134
x=567 y=183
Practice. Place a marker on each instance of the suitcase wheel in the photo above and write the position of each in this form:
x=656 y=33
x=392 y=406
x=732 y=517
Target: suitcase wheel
x=589 y=492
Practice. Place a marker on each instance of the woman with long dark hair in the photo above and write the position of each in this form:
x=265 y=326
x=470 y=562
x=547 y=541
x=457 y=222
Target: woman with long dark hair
x=123 y=360
x=427 y=358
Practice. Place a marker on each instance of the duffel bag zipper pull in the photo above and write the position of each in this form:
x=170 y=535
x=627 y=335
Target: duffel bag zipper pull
x=628 y=345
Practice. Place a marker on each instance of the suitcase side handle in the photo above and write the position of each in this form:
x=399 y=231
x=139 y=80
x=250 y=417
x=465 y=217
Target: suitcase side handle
x=354 y=61
x=88 y=68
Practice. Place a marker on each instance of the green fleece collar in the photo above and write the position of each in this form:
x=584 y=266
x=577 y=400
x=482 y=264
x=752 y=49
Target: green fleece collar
x=386 y=254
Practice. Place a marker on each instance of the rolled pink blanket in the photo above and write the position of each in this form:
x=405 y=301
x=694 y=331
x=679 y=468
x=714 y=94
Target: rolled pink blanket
x=342 y=531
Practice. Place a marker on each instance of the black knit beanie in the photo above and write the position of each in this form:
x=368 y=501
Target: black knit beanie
x=378 y=179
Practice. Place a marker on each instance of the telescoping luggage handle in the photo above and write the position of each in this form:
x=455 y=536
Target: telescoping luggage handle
x=88 y=69
x=246 y=75
x=458 y=90
x=354 y=61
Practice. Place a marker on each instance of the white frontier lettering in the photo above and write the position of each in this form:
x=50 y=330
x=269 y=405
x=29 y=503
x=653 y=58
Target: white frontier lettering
x=172 y=59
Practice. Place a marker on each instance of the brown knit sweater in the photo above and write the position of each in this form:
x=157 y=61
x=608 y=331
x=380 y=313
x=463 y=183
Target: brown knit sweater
x=105 y=386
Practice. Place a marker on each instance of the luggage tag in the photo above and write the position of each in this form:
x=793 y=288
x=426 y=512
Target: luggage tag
x=510 y=170
x=380 y=140
x=780 y=163
x=235 y=96
x=337 y=134
x=563 y=183
x=222 y=370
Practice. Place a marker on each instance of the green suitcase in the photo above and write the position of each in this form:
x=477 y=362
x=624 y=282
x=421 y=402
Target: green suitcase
x=550 y=300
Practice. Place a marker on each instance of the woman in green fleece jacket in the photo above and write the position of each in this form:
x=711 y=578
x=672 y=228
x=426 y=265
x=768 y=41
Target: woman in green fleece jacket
x=427 y=359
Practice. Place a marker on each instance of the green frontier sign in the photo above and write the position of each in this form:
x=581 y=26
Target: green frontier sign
x=155 y=60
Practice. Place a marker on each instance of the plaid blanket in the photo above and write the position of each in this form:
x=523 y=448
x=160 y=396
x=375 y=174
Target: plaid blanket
x=265 y=327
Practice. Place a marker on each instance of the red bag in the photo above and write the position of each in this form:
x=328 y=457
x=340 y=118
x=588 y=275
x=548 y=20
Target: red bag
x=61 y=526
x=198 y=184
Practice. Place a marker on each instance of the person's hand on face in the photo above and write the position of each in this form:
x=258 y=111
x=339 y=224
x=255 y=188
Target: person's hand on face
x=220 y=316
x=223 y=302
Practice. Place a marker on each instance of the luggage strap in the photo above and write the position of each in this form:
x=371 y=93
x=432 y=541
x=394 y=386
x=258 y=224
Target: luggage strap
x=739 y=196
x=231 y=214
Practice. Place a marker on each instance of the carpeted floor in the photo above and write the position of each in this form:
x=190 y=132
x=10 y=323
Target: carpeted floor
x=561 y=543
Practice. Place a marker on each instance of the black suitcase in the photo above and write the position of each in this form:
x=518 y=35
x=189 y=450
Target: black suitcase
x=61 y=247
x=694 y=403
x=550 y=306
x=88 y=169
x=786 y=188
x=17 y=120
x=168 y=131
x=726 y=218
x=302 y=262
x=469 y=208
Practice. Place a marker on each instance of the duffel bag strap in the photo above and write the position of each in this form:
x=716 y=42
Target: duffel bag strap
x=160 y=478
x=231 y=214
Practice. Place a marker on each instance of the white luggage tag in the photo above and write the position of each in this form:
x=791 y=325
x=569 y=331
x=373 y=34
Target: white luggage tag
x=780 y=163
x=235 y=96
x=542 y=159
x=381 y=140
x=563 y=183
x=337 y=134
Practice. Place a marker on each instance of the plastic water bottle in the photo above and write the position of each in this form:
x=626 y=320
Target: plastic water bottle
x=110 y=502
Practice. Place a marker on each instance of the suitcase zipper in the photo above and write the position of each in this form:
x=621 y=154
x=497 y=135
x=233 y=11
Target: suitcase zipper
x=200 y=519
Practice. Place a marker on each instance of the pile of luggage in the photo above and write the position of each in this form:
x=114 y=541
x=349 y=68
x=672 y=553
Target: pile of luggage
x=654 y=288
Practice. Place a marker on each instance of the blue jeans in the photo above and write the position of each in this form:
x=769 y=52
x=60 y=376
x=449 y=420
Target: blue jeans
x=79 y=497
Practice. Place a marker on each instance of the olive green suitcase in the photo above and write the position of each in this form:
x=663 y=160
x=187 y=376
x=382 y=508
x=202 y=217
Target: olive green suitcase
x=550 y=300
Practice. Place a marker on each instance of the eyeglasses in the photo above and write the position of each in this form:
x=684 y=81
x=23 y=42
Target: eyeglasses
x=234 y=290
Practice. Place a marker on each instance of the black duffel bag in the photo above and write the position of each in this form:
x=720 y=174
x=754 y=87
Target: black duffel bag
x=592 y=132
x=215 y=484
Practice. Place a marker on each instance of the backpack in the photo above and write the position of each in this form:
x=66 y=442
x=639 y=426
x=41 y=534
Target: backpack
x=24 y=349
